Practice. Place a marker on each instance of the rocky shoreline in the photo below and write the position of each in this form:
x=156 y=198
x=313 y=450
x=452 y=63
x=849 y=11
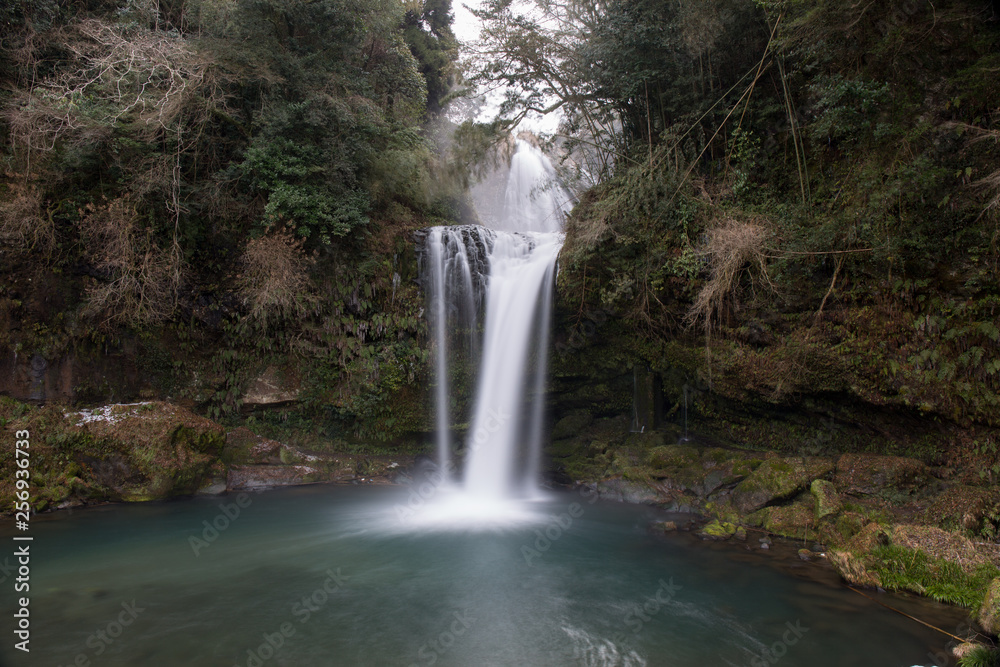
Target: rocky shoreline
x=155 y=450
x=883 y=522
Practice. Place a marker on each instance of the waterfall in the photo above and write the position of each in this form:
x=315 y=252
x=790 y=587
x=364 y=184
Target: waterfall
x=455 y=288
x=533 y=199
x=501 y=280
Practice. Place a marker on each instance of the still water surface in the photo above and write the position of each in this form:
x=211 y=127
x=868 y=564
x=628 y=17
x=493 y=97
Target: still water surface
x=329 y=576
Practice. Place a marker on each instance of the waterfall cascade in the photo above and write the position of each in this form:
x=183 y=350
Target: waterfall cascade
x=502 y=279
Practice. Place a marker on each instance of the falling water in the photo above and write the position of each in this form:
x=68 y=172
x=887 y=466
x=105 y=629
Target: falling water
x=513 y=267
x=520 y=266
x=533 y=200
x=456 y=279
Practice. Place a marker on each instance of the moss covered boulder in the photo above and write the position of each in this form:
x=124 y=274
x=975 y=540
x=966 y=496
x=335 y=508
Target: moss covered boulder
x=571 y=425
x=132 y=452
x=989 y=612
x=827 y=499
x=796 y=521
x=677 y=467
x=147 y=451
x=778 y=479
x=718 y=530
x=674 y=456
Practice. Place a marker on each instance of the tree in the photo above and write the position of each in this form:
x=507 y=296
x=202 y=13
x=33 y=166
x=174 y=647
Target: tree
x=432 y=42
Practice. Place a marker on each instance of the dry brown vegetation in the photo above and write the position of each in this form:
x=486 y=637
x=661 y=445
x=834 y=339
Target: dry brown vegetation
x=23 y=224
x=141 y=278
x=275 y=279
x=149 y=78
x=732 y=247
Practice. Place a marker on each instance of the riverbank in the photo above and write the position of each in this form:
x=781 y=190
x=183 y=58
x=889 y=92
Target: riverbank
x=156 y=450
x=882 y=522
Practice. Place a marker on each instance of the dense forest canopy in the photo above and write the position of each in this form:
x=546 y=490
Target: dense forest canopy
x=812 y=184
x=233 y=173
x=805 y=188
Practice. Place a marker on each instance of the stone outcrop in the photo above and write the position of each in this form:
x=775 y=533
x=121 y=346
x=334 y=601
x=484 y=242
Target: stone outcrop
x=269 y=389
x=777 y=479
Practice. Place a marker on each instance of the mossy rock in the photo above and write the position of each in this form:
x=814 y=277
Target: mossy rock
x=148 y=451
x=290 y=456
x=645 y=441
x=718 y=530
x=827 y=499
x=723 y=511
x=777 y=479
x=796 y=521
x=989 y=611
x=746 y=467
x=562 y=449
x=572 y=424
x=847 y=525
x=717 y=456
x=674 y=456
x=629 y=491
x=200 y=438
x=681 y=467
x=871 y=536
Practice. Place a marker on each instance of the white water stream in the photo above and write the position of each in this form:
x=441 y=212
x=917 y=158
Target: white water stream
x=511 y=269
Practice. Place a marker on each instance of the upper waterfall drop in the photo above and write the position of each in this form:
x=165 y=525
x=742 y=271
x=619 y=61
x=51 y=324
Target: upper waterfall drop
x=534 y=201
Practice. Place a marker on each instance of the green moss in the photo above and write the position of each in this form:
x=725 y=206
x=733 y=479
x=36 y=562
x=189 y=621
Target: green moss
x=723 y=511
x=744 y=468
x=827 y=499
x=288 y=456
x=564 y=448
x=989 y=612
x=719 y=530
x=776 y=479
x=849 y=524
x=717 y=455
x=899 y=568
x=794 y=521
x=206 y=441
x=673 y=456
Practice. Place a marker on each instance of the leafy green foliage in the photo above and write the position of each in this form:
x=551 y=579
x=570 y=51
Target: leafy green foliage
x=899 y=568
x=847 y=108
x=432 y=42
x=812 y=119
x=981 y=656
x=272 y=157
